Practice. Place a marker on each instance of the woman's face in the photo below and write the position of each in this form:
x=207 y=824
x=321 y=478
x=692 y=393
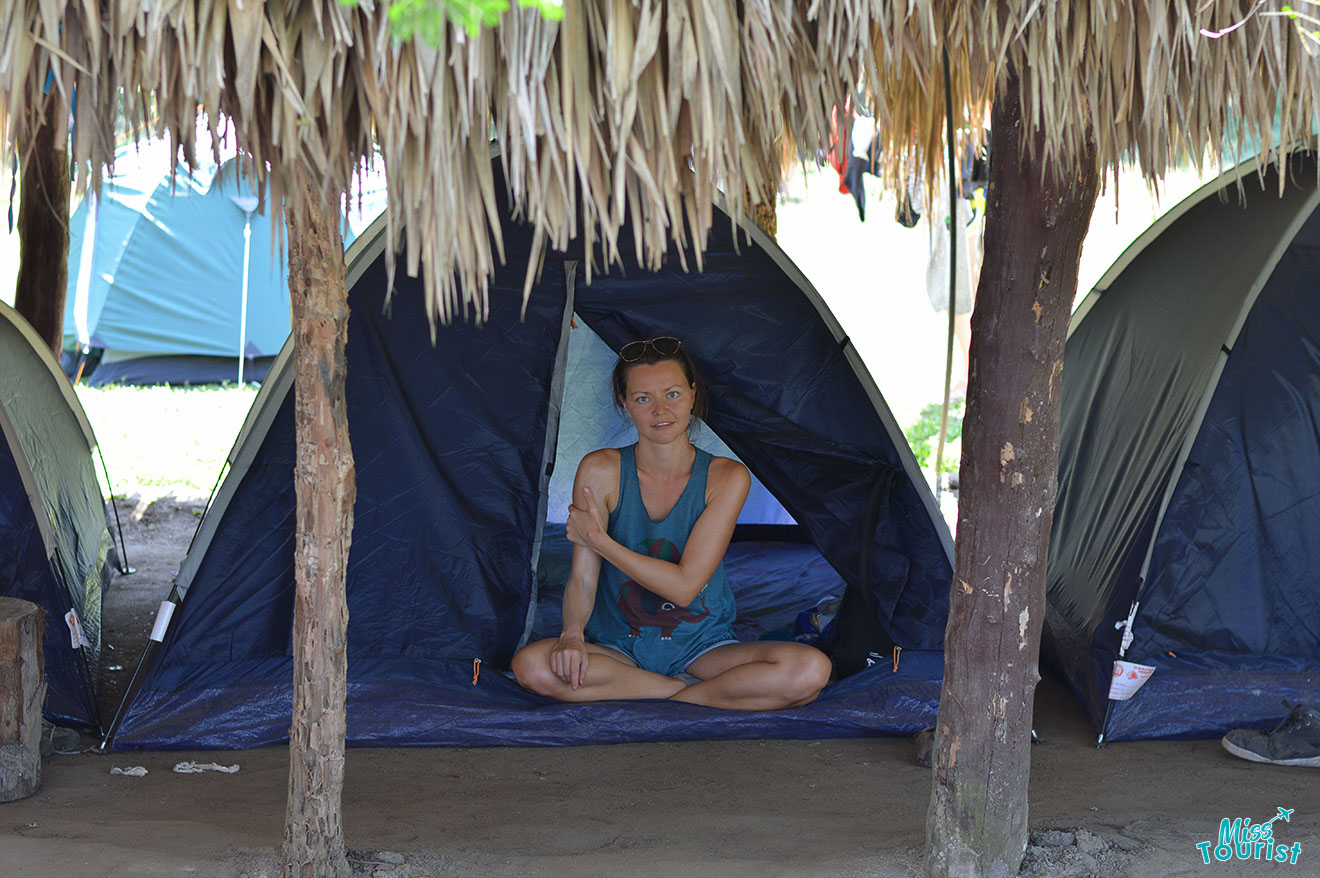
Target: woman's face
x=659 y=401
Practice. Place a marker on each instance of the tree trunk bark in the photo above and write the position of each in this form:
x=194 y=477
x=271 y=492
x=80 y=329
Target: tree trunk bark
x=22 y=693
x=765 y=211
x=325 y=485
x=765 y=215
x=1036 y=221
x=43 y=226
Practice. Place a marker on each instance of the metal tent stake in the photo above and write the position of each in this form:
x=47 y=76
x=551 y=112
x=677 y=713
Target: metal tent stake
x=124 y=569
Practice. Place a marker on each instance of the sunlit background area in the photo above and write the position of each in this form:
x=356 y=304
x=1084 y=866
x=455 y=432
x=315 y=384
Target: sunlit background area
x=873 y=273
x=8 y=236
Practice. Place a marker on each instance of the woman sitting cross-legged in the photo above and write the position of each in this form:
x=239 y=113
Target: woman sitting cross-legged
x=647 y=598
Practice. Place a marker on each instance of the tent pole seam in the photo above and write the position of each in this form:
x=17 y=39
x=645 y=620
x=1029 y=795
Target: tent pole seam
x=124 y=569
x=551 y=441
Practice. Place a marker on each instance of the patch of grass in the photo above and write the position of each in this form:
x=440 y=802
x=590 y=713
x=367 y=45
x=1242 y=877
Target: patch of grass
x=165 y=440
x=923 y=436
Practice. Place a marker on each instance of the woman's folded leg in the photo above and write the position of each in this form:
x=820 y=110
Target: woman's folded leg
x=767 y=675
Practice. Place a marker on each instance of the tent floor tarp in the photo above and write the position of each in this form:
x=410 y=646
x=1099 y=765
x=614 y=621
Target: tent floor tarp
x=1189 y=696
x=496 y=711
x=486 y=707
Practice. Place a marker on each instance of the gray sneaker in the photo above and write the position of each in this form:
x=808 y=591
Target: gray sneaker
x=1295 y=741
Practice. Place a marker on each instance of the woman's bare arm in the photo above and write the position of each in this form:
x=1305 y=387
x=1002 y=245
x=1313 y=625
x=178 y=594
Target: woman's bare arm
x=568 y=657
x=726 y=490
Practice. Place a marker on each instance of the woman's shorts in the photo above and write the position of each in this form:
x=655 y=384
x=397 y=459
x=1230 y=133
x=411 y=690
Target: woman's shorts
x=663 y=656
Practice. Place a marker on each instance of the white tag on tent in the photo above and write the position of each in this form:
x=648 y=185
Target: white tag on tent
x=77 y=637
x=162 y=624
x=1128 y=678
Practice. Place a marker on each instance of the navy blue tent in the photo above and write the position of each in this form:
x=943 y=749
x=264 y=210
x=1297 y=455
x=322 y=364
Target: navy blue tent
x=55 y=547
x=465 y=451
x=171 y=276
x=1189 y=468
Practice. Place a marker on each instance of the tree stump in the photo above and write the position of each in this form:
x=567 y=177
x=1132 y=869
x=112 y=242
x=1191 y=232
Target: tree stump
x=22 y=693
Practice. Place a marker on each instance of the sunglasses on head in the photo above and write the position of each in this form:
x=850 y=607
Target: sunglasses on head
x=663 y=345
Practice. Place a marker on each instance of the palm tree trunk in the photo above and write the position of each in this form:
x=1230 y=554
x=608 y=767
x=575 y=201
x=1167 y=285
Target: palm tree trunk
x=977 y=825
x=765 y=214
x=43 y=225
x=325 y=485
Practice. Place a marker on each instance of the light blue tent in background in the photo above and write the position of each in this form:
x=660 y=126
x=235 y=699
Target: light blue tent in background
x=176 y=280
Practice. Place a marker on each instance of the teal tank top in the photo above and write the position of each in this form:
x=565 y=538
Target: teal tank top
x=655 y=633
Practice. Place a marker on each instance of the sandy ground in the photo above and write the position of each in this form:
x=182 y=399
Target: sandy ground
x=763 y=808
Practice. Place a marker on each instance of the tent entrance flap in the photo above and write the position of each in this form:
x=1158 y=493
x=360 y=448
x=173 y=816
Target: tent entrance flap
x=552 y=430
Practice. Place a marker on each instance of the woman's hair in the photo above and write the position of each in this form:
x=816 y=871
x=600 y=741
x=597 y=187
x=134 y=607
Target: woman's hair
x=649 y=357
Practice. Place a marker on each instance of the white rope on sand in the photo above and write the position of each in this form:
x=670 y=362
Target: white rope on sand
x=198 y=767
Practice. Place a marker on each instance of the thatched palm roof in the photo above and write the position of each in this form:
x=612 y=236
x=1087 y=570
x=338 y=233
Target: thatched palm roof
x=1160 y=82
x=64 y=47
x=643 y=108
x=616 y=108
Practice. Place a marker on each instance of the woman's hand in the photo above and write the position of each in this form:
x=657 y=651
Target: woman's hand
x=584 y=525
x=568 y=659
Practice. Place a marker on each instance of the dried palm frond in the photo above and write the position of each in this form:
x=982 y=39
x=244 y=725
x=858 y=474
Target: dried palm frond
x=65 y=47
x=1158 y=83
x=623 y=111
